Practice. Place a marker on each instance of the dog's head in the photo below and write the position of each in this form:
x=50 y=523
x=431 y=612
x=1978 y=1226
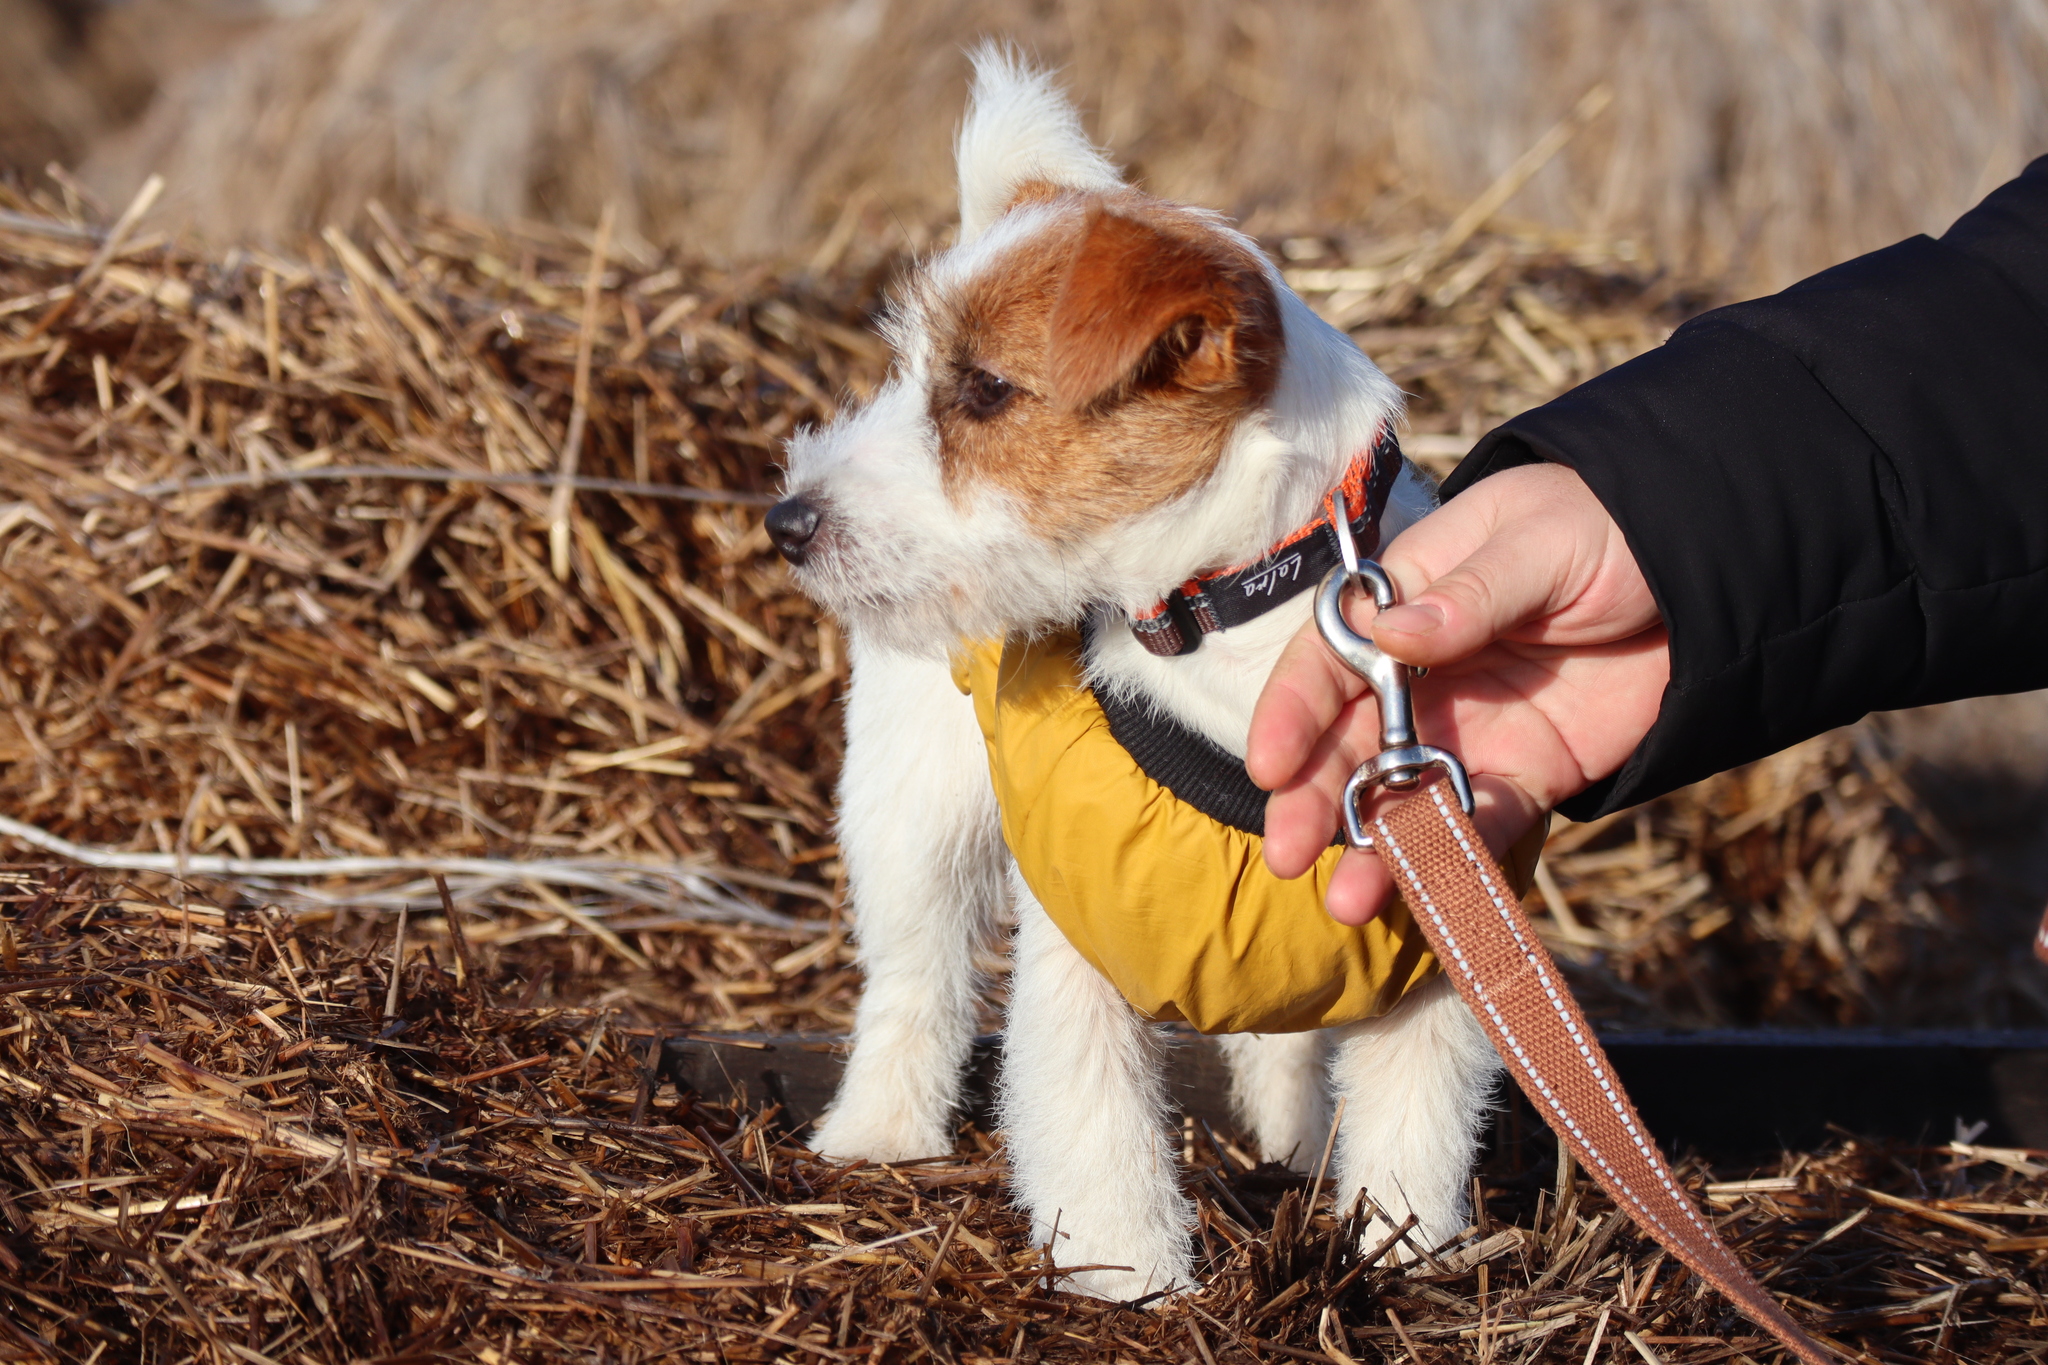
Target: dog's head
x=1083 y=408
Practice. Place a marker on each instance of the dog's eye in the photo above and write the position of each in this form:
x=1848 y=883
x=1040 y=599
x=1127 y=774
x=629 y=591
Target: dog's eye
x=985 y=395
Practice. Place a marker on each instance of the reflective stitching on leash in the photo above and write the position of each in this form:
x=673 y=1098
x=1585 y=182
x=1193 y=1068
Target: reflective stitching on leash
x=1704 y=1252
x=1655 y=1163
x=1558 y=1111
x=1739 y=1285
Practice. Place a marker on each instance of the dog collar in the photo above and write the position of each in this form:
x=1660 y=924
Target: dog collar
x=1230 y=597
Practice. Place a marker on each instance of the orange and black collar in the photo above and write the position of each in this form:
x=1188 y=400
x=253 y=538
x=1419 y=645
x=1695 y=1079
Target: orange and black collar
x=1245 y=592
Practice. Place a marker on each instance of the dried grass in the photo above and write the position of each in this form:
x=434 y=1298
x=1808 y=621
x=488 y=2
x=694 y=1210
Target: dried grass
x=1750 y=140
x=232 y=649
x=277 y=538
x=235 y=671
x=233 y=1138
x=46 y=113
x=1808 y=890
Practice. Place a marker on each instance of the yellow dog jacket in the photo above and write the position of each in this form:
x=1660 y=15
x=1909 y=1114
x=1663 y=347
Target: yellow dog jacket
x=1177 y=909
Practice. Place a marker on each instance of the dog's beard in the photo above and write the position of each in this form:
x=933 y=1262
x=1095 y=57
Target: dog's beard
x=906 y=602
x=917 y=568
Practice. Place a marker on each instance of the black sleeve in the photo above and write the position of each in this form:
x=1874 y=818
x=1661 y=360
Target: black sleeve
x=1838 y=494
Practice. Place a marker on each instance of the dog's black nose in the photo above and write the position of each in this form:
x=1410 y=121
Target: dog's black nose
x=792 y=523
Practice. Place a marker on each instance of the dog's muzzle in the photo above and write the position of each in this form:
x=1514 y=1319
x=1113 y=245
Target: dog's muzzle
x=792 y=526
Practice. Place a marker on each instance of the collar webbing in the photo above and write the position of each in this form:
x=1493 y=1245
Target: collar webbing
x=1245 y=592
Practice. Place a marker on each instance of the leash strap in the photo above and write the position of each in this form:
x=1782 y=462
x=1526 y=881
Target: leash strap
x=1473 y=920
x=2041 y=939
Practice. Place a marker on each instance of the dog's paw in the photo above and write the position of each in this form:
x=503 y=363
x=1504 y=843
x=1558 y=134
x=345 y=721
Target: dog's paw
x=1126 y=1286
x=1424 y=1237
x=856 y=1133
x=1124 y=1260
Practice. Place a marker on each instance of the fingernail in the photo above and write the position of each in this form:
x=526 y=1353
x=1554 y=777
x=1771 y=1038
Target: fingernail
x=1416 y=618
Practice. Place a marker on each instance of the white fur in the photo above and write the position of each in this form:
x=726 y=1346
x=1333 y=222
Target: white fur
x=1020 y=126
x=1420 y=1078
x=917 y=821
x=912 y=571
x=1279 y=1088
x=1083 y=1109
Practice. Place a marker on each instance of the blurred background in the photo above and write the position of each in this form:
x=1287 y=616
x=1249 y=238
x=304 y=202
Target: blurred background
x=1496 y=198
x=1749 y=142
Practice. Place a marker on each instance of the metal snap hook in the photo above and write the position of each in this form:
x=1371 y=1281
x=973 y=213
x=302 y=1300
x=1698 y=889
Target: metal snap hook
x=1402 y=758
x=1386 y=675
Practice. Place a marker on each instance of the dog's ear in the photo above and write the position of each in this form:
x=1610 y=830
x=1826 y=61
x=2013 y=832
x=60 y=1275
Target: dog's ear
x=1021 y=135
x=1150 y=306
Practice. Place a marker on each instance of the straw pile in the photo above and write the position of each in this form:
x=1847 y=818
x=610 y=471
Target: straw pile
x=72 y=72
x=286 y=665
x=1748 y=140
x=289 y=580
x=232 y=1138
x=1811 y=889
x=46 y=113
x=229 y=652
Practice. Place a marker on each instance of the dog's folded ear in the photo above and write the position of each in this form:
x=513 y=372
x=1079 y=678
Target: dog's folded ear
x=1147 y=305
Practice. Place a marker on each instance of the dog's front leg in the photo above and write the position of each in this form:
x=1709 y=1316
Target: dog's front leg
x=1084 y=1115
x=924 y=865
x=1416 y=1082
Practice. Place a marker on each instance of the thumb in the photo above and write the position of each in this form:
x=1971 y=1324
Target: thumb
x=1509 y=580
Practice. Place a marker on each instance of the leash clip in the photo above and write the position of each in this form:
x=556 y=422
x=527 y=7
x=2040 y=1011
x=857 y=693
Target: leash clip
x=1402 y=759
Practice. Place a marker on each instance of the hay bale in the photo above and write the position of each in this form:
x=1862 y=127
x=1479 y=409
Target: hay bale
x=1752 y=138
x=73 y=71
x=697 y=647
x=259 y=658
x=45 y=112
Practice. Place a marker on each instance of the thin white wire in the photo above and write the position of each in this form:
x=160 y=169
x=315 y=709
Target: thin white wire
x=200 y=483
x=675 y=888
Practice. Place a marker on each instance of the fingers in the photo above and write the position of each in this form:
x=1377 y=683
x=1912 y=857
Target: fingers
x=1528 y=554
x=1303 y=696
x=1302 y=813
x=1502 y=811
x=1518 y=546
x=1303 y=745
x=1514 y=548
x=1514 y=577
x=1360 y=888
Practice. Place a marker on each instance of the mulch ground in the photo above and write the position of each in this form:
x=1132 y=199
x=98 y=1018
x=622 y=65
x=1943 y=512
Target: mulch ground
x=232 y=1136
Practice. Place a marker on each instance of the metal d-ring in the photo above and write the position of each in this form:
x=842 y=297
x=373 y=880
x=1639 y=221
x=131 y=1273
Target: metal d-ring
x=1408 y=762
x=1402 y=759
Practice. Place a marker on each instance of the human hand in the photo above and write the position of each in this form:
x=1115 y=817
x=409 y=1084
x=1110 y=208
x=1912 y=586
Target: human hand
x=1547 y=660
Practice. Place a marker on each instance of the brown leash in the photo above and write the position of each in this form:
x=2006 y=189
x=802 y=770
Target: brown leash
x=1474 y=922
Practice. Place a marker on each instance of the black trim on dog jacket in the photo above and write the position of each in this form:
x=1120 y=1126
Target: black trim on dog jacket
x=1838 y=494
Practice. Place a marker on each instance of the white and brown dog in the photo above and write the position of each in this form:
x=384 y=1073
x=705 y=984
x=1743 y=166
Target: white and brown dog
x=1098 y=396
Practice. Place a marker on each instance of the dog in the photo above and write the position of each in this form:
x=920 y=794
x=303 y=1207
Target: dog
x=1098 y=396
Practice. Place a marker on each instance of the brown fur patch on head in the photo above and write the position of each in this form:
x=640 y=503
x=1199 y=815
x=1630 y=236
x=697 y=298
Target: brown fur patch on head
x=1129 y=283
x=1097 y=369
x=1035 y=192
